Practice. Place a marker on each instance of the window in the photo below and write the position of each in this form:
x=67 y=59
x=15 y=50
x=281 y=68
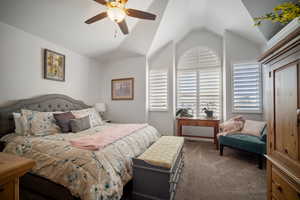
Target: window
x=200 y=88
x=158 y=90
x=247 y=88
x=199 y=82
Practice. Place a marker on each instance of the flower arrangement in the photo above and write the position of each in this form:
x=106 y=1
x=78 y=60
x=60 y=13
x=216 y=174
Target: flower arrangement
x=283 y=13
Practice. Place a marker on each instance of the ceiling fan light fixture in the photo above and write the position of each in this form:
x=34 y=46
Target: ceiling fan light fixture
x=116 y=14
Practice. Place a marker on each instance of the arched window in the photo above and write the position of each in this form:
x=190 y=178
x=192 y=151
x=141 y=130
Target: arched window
x=199 y=81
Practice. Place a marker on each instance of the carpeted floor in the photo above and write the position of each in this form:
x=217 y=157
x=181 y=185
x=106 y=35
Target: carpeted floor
x=208 y=176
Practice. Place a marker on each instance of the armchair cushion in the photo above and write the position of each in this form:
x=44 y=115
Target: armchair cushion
x=244 y=142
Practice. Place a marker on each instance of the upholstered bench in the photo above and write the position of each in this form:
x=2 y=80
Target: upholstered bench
x=249 y=143
x=157 y=171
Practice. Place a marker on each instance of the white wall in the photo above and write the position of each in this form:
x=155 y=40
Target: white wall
x=126 y=111
x=200 y=37
x=238 y=50
x=21 y=69
x=164 y=120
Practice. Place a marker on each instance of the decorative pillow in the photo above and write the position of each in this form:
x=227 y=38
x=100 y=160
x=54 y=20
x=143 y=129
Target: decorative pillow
x=95 y=118
x=232 y=125
x=39 y=123
x=80 y=124
x=19 y=129
x=63 y=121
x=253 y=127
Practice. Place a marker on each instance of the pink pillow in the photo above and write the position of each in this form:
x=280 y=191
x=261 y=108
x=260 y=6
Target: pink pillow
x=233 y=125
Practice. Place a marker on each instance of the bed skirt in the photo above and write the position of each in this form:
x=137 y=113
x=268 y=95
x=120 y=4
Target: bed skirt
x=33 y=187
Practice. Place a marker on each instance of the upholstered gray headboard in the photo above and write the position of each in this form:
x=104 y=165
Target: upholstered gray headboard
x=45 y=103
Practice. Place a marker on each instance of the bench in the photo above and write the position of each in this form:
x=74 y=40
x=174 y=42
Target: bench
x=244 y=142
x=157 y=171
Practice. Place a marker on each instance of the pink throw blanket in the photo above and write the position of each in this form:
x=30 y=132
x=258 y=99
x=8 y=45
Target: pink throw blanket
x=106 y=137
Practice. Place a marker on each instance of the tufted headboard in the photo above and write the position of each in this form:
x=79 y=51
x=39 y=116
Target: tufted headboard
x=45 y=103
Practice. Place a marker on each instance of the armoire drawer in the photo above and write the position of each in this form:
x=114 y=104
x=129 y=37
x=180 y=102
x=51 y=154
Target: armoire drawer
x=282 y=189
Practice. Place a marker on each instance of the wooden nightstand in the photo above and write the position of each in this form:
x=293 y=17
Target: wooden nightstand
x=11 y=168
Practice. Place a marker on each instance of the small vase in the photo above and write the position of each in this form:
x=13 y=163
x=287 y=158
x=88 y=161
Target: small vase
x=209 y=113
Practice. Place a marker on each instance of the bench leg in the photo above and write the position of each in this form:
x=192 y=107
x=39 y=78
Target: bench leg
x=221 y=149
x=260 y=161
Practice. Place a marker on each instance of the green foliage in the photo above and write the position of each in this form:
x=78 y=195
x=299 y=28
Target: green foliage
x=184 y=112
x=283 y=13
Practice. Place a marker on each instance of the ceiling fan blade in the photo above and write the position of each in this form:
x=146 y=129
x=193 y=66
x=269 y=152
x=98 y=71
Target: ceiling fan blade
x=140 y=14
x=123 y=26
x=96 y=18
x=103 y=2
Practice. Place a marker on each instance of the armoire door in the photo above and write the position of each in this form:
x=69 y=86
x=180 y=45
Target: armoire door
x=286 y=110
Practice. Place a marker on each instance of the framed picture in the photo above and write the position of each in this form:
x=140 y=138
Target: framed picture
x=122 y=89
x=54 y=65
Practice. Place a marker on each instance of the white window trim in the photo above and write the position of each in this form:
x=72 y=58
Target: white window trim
x=260 y=111
x=159 y=109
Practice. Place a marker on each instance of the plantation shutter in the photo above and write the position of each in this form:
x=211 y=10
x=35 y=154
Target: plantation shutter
x=210 y=90
x=199 y=81
x=187 y=90
x=247 y=88
x=158 y=90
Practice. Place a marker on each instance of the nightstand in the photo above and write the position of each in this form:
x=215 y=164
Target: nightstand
x=11 y=169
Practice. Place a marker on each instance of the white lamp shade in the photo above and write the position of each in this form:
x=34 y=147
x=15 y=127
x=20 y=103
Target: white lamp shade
x=100 y=107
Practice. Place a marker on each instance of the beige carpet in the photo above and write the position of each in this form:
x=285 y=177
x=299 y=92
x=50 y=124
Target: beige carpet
x=208 y=176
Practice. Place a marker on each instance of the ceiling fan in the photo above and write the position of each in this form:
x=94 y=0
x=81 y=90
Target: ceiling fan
x=117 y=11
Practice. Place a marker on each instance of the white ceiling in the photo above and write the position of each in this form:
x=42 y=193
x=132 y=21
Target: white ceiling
x=182 y=17
x=62 y=22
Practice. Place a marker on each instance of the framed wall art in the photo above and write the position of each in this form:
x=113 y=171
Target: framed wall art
x=122 y=89
x=54 y=65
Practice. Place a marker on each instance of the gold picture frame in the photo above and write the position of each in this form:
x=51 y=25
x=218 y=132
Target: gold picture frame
x=122 y=89
x=54 y=65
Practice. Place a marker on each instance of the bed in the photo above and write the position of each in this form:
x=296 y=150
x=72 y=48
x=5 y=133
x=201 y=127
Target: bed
x=65 y=172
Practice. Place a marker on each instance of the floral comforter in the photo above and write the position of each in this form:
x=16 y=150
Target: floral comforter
x=90 y=175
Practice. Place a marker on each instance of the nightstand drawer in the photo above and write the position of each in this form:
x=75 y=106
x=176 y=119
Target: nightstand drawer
x=7 y=191
x=281 y=188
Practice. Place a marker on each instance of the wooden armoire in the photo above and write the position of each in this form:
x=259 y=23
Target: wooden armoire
x=281 y=65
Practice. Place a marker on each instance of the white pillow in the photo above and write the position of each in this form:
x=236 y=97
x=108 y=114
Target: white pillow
x=95 y=118
x=18 y=123
x=39 y=123
x=253 y=127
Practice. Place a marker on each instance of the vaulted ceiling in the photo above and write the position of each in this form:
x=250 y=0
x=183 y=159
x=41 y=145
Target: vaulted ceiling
x=62 y=22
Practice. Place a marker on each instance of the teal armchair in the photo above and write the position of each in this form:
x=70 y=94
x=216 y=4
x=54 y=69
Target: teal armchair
x=249 y=143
